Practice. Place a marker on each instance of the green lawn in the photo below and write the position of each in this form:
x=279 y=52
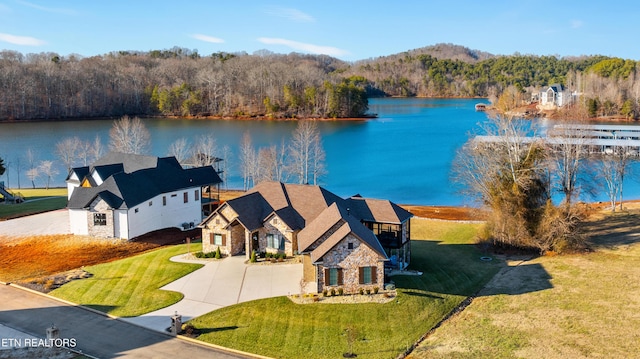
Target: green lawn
x=130 y=287
x=278 y=328
x=556 y=307
x=37 y=200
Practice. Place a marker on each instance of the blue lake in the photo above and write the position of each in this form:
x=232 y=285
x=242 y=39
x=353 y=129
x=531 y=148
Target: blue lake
x=404 y=155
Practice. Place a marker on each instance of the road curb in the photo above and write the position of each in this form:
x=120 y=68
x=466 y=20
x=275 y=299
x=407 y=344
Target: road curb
x=214 y=346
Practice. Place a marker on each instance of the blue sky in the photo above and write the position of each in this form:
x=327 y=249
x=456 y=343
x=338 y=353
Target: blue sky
x=347 y=29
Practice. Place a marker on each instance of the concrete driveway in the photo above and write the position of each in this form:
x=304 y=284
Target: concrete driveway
x=54 y=222
x=221 y=283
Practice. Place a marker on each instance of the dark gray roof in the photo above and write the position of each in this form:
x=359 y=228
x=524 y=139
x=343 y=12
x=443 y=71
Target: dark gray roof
x=251 y=209
x=129 y=189
x=80 y=172
x=130 y=162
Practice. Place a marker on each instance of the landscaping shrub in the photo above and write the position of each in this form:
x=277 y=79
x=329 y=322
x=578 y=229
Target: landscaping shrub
x=340 y=291
x=333 y=292
x=361 y=291
x=368 y=291
x=218 y=254
x=253 y=259
x=375 y=290
x=324 y=293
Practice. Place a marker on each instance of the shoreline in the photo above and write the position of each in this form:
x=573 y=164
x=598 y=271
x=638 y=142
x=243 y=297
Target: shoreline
x=195 y=118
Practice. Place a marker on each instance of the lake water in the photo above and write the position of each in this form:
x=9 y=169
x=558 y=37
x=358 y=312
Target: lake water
x=404 y=155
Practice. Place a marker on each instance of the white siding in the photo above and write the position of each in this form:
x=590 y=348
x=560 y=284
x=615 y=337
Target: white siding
x=120 y=224
x=158 y=216
x=78 y=221
x=72 y=183
x=96 y=178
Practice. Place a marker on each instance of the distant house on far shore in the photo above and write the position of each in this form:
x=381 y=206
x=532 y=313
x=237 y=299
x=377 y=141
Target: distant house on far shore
x=126 y=195
x=554 y=97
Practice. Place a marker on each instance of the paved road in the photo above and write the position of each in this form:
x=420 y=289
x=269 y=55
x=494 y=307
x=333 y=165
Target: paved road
x=54 y=222
x=95 y=334
x=222 y=283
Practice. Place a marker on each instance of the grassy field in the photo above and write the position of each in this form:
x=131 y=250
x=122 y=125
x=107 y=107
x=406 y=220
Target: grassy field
x=37 y=200
x=574 y=306
x=278 y=328
x=130 y=286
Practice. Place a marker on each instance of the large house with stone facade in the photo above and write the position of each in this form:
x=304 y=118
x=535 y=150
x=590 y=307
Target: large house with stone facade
x=344 y=243
x=126 y=195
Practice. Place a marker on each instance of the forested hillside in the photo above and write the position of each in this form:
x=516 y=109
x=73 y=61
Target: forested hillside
x=180 y=82
x=176 y=82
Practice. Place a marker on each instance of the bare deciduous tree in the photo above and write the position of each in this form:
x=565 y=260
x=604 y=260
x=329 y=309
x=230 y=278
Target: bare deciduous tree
x=306 y=153
x=180 y=150
x=129 y=136
x=33 y=174
x=507 y=171
x=567 y=147
x=47 y=169
x=97 y=150
x=613 y=168
x=68 y=150
x=248 y=159
x=205 y=151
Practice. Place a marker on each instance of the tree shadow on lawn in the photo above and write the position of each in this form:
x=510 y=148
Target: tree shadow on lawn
x=613 y=230
x=462 y=269
x=215 y=330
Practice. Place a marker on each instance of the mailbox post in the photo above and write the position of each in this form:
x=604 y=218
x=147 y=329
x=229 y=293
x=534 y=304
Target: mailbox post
x=176 y=323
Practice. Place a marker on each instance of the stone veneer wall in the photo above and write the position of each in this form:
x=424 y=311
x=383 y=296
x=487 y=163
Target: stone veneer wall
x=216 y=224
x=100 y=206
x=350 y=260
x=276 y=226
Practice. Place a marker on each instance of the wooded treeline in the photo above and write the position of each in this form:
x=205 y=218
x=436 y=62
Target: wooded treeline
x=176 y=82
x=180 y=82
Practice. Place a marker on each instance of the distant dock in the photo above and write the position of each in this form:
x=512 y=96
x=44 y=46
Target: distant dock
x=595 y=139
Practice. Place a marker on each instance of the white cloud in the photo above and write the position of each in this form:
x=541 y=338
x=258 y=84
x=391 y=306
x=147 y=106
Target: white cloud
x=576 y=24
x=314 y=49
x=48 y=9
x=21 y=40
x=207 y=38
x=291 y=14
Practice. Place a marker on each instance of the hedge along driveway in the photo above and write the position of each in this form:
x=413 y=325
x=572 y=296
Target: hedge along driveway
x=278 y=328
x=130 y=287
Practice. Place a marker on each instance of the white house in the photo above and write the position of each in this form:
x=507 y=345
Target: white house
x=555 y=96
x=126 y=195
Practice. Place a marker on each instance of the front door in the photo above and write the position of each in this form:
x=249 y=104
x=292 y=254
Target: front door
x=255 y=244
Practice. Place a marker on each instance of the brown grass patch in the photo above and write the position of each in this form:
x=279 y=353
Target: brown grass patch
x=28 y=258
x=447 y=212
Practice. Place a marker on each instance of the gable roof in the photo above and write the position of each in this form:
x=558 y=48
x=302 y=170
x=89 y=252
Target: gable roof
x=556 y=88
x=124 y=189
x=80 y=172
x=377 y=210
x=346 y=224
x=251 y=208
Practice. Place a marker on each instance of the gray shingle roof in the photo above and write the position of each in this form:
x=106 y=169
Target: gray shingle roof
x=128 y=189
x=377 y=210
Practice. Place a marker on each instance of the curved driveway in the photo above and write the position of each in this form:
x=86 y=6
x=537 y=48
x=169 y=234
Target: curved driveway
x=221 y=283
